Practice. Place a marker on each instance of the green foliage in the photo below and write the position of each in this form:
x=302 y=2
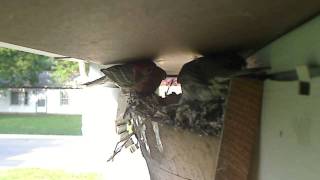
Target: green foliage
x=64 y=70
x=20 y=68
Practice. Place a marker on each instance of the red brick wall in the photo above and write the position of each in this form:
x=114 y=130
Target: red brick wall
x=241 y=128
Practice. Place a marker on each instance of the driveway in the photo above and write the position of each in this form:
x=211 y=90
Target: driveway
x=52 y=152
x=70 y=153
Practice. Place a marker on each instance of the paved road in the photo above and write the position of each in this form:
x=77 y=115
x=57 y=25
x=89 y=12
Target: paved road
x=70 y=153
x=54 y=152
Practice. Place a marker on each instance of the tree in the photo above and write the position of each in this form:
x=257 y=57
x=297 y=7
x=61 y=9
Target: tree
x=19 y=68
x=63 y=70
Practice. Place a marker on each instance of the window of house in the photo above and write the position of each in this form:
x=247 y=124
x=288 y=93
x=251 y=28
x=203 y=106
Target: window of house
x=14 y=98
x=41 y=103
x=64 y=98
x=19 y=97
x=26 y=98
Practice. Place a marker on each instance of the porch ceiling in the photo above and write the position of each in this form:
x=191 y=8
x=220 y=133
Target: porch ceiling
x=112 y=31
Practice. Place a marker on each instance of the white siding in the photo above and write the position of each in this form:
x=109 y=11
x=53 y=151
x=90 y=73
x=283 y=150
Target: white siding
x=6 y=107
x=52 y=97
x=74 y=106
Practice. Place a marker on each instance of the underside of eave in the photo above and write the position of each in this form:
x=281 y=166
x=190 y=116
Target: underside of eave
x=109 y=32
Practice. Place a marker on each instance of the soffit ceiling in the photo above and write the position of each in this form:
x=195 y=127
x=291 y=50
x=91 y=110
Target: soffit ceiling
x=115 y=31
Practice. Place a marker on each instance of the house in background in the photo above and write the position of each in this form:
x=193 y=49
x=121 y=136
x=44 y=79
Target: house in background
x=41 y=100
x=45 y=97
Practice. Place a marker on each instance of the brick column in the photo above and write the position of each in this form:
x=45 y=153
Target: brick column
x=241 y=130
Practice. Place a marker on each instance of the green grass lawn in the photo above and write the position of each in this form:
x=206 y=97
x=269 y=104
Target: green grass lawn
x=43 y=124
x=42 y=174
